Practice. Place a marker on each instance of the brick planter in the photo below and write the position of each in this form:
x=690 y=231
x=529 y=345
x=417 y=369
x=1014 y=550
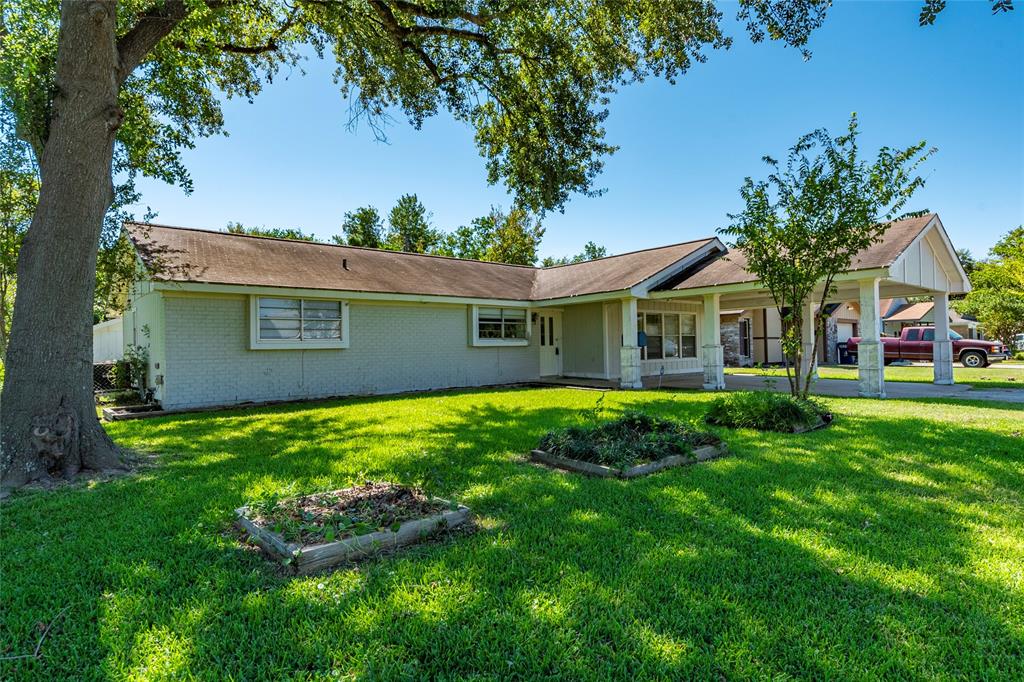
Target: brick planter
x=312 y=558
x=700 y=454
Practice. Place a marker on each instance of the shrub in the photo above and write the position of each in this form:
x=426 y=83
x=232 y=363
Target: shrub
x=121 y=397
x=765 y=411
x=631 y=439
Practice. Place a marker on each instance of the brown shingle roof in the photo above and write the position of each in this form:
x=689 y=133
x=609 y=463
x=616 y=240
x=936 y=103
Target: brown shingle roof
x=188 y=255
x=911 y=313
x=613 y=273
x=731 y=268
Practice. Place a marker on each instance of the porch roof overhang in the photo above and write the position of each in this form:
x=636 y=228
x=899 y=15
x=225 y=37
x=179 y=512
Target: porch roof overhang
x=924 y=264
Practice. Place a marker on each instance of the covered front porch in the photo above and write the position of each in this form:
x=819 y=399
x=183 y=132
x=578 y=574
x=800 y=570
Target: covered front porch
x=669 y=332
x=926 y=266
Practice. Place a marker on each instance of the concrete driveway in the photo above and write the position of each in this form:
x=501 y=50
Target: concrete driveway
x=842 y=388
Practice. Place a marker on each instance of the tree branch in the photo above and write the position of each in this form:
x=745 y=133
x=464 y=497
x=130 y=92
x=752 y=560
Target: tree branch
x=152 y=26
x=270 y=46
x=450 y=33
x=415 y=10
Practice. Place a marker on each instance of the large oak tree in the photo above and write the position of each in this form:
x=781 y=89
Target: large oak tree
x=101 y=87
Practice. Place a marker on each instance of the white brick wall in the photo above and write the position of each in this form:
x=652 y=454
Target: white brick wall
x=394 y=348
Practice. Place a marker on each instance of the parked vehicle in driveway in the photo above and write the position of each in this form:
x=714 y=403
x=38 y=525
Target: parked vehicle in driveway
x=915 y=343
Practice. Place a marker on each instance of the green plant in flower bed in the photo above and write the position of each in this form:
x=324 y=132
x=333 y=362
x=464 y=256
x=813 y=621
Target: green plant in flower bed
x=119 y=397
x=634 y=438
x=765 y=411
x=340 y=514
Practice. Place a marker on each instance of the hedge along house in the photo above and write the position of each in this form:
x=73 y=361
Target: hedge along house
x=230 y=318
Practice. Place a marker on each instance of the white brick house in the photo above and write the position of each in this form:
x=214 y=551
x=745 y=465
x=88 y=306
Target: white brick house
x=230 y=319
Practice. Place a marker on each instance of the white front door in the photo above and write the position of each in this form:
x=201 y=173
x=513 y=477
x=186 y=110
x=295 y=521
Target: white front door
x=549 y=335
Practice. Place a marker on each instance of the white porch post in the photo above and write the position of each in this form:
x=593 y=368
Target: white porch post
x=711 y=338
x=942 y=348
x=870 y=354
x=629 y=354
x=809 y=361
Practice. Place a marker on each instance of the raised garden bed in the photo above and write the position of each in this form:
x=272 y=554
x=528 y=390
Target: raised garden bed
x=700 y=454
x=318 y=531
x=632 y=445
x=122 y=412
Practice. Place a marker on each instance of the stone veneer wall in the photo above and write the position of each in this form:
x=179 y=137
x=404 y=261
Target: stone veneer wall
x=730 y=327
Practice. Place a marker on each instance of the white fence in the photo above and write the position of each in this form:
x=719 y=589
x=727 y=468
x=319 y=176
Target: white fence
x=107 y=341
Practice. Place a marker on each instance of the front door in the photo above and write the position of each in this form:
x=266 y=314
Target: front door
x=549 y=331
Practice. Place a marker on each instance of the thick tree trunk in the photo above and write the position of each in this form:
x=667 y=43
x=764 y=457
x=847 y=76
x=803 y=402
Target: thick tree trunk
x=48 y=421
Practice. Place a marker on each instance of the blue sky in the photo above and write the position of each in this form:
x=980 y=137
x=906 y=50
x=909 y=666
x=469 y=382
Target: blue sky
x=291 y=161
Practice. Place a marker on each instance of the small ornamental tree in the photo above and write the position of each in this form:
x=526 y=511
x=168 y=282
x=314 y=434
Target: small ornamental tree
x=996 y=298
x=804 y=225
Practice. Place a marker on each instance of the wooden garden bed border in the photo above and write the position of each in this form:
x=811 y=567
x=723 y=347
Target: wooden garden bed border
x=701 y=454
x=312 y=558
x=813 y=427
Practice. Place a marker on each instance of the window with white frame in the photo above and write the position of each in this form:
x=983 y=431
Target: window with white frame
x=299 y=322
x=499 y=326
x=669 y=335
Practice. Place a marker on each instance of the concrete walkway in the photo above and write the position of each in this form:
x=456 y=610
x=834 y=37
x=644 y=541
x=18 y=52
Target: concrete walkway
x=844 y=388
x=893 y=389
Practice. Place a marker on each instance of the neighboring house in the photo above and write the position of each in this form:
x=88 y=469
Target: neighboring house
x=752 y=337
x=108 y=341
x=923 y=314
x=234 y=318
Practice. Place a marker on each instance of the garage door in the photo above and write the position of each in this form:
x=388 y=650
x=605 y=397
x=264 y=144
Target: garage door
x=845 y=331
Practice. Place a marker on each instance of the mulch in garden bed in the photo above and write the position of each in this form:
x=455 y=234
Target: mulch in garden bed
x=632 y=445
x=324 y=529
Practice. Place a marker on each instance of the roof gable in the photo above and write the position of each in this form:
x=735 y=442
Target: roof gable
x=732 y=267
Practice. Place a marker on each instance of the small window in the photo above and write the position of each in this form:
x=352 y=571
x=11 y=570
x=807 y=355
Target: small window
x=928 y=335
x=298 y=322
x=497 y=326
x=914 y=335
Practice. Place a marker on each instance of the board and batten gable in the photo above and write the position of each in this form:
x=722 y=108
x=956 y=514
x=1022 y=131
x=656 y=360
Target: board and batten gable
x=393 y=347
x=929 y=262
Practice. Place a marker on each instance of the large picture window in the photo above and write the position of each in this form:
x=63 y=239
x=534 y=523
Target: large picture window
x=500 y=326
x=299 y=322
x=669 y=335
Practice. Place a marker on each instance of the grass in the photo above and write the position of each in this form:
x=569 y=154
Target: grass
x=993 y=376
x=889 y=545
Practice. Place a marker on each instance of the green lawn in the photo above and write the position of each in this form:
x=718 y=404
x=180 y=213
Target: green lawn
x=993 y=376
x=888 y=545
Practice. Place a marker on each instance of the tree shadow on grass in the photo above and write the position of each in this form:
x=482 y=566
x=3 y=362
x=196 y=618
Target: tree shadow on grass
x=756 y=565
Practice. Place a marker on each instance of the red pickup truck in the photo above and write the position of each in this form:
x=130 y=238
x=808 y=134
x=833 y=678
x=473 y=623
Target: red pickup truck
x=915 y=343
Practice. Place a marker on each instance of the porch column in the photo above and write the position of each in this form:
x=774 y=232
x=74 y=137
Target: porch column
x=942 y=348
x=809 y=361
x=870 y=354
x=711 y=339
x=629 y=354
